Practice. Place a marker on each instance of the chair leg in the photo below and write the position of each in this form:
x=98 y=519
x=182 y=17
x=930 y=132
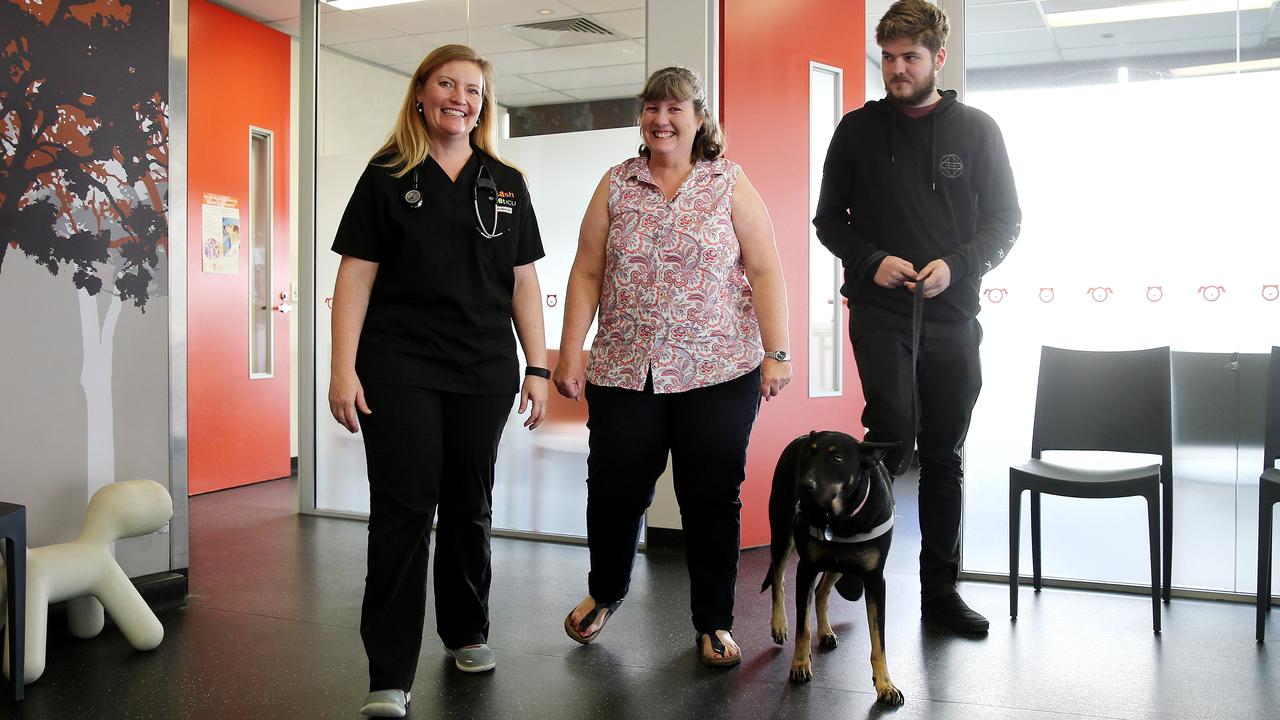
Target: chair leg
x=1015 y=533
x=1153 y=539
x=1035 y=540
x=1166 y=528
x=1264 y=565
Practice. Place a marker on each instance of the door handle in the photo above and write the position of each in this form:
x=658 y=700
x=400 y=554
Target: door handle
x=285 y=306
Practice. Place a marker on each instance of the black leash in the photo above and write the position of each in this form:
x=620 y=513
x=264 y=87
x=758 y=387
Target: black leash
x=917 y=323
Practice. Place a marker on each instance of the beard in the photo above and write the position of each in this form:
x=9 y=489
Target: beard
x=916 y=94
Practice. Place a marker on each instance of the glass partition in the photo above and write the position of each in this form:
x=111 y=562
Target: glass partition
x=567 y=75
x=1142 y=140
x=826 y=307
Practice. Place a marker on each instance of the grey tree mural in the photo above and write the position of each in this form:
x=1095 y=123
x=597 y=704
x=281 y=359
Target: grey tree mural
x=84 y=182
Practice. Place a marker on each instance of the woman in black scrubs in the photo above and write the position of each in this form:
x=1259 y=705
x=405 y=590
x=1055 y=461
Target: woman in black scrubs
x=438 y=243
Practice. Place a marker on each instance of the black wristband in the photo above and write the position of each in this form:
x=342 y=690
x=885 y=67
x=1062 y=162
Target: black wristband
x=543 y=373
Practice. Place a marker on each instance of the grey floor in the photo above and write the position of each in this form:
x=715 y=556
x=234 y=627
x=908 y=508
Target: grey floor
x=270 y=631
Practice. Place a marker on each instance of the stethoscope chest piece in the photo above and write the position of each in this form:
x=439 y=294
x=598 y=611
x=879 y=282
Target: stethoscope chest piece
x=413 y=198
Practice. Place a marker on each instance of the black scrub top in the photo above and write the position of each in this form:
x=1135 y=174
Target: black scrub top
x=440 y=311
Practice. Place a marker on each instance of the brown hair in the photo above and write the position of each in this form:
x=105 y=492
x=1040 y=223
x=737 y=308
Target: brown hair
x=680 y=84
x=408 y=144
x=920 y=20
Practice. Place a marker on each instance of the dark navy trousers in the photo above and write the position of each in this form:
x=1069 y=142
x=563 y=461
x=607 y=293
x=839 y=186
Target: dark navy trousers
x=706 y=432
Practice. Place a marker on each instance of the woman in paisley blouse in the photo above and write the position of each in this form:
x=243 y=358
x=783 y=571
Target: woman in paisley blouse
x=677 y=254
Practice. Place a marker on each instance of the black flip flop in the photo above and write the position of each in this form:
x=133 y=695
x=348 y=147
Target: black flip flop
x=587 y=620
x=718 y=648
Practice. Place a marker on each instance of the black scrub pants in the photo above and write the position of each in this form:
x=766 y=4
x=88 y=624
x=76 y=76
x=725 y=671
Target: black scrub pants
x=427 y=450
x=948 y=379
x=706 y=431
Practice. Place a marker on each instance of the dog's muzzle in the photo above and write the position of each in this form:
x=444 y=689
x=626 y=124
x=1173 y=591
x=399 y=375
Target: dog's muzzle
x=875 y=532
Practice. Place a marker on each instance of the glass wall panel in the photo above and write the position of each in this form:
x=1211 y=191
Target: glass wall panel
x=826 y=326
x=567 y=76
x=261 y=303
x=1142 y=140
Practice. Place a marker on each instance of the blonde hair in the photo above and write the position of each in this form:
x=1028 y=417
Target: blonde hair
x=408 y=144
x=680 y=84
x=920 y=20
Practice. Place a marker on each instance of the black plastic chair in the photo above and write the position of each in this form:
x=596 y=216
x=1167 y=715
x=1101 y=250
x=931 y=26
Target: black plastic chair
x=13 y=529
x=1112 y=401
x=1268 y=491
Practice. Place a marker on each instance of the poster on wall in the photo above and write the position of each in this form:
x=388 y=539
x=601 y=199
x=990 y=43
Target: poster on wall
x=220 y=234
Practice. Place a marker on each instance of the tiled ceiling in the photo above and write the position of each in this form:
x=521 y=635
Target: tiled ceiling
x=534 y=67
x=1009 y=35
x=1016 y=34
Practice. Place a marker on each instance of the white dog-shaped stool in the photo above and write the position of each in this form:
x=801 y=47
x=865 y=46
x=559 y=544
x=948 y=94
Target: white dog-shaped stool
x=85 y=574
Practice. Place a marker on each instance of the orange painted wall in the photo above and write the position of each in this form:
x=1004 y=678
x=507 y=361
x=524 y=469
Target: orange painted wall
x=766 y=47
x=238 y=76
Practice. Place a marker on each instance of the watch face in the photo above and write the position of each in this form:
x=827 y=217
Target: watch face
x=779 y=355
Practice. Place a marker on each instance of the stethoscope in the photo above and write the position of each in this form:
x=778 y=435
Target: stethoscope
x=413 y=198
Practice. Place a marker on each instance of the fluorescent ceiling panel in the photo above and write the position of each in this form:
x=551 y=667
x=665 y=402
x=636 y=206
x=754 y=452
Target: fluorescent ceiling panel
x=350 y=5
x=1151 y=11
x=1227 y=67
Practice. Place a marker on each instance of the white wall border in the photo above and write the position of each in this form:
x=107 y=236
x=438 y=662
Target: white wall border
x=179 y=554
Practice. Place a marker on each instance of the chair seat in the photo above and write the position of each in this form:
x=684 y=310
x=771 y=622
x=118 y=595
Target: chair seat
x=1073 y=481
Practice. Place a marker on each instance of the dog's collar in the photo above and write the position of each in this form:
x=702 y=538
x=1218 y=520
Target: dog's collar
x=865 y=495
x=872 y=534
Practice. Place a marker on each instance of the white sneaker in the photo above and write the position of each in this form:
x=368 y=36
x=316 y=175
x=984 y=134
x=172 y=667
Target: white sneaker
x=385 y=703
x=473 y=658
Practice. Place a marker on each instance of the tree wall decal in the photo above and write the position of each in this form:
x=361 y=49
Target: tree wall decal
x=84 y=181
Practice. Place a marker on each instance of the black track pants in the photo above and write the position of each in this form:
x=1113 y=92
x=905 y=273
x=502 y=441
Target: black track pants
x=949 y=377
x=427 y=450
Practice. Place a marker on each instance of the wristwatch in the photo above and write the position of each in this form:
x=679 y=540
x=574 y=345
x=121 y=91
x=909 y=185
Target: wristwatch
x=779 y=355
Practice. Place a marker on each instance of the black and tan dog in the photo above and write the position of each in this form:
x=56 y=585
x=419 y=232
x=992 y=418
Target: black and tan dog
x=833 y=503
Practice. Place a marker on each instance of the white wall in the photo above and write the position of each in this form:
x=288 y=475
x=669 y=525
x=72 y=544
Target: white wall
x=562 y=171
x=689 y=37
x=357 y=105
x=1115 y=204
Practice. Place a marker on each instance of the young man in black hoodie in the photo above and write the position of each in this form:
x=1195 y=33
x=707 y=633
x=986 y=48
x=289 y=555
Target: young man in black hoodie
x=918 y=198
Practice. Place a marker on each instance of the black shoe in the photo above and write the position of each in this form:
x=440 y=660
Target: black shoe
x=951 y=612
x=849 y=586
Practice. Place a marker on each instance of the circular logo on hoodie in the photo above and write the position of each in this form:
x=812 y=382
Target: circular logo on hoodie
x=951 y=166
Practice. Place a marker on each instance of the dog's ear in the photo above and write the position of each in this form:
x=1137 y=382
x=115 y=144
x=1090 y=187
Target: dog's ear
x=873 y=452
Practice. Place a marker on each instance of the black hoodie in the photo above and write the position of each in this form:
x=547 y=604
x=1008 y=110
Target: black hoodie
x=936 y=187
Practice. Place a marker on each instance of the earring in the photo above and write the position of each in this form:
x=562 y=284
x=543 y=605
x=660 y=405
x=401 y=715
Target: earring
x=418 y=105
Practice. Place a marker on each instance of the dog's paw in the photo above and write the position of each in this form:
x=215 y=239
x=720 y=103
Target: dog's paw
x=801 y=670
x=829 y=641
x=889 y=694
x=779 y=633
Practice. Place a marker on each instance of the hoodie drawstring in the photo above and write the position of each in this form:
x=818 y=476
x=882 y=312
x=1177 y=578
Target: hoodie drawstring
x=933 y=141
x=893 y=132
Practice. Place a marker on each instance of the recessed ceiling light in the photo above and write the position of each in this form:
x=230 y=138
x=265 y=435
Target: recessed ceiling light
x=1151 y=11
x=545 y=11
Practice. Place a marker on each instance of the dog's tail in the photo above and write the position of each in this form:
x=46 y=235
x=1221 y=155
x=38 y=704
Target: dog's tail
x=768 y=580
